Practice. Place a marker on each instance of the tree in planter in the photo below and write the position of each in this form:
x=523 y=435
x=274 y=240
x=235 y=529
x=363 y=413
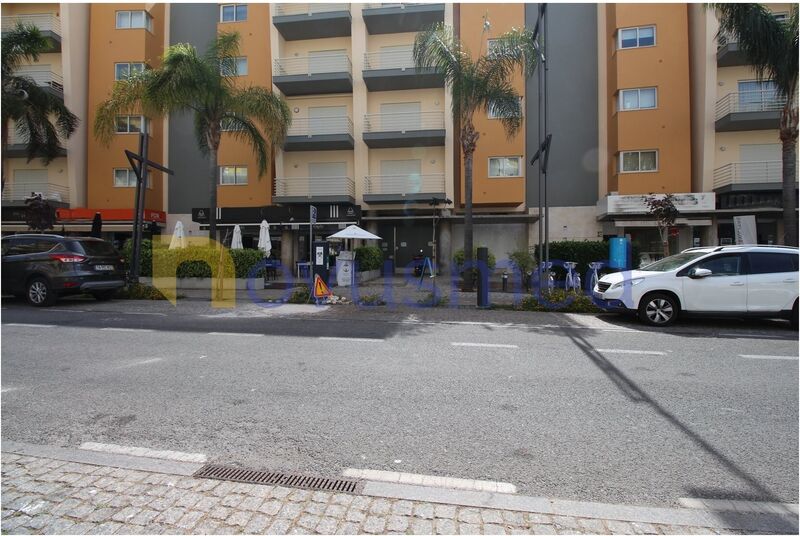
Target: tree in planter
x=206 y=86
x=477 y=84
x=770 y=47
x=662 y=209
x=39 y=214
x=38 y=116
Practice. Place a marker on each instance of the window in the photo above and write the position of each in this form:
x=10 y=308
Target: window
x=722 y=265
x=505 y=166
x=781 y=17
x=132 y=124
x=772 y=263
x=234 y=67
x=494 y=113
x=134 y=19
x=124 y=178
x=644 y=36
x=233 y=175
x=638 y=161
x=123 y=70
x=232 y=12
x=637 y=99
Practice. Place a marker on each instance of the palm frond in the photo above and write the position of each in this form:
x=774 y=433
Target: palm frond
x=23 y=44
x=127 y=97
x=438 y=48
x=268 y=109
x=244 y=129
x=515 y=49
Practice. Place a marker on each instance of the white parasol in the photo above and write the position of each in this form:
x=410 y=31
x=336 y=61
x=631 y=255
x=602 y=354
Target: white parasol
x=236 y=241
x=264 y=241
x=178 y=240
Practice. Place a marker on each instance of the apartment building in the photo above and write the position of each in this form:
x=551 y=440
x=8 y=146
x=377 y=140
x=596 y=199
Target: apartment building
x=62 y=71
x=736 y=146
x=640 y=99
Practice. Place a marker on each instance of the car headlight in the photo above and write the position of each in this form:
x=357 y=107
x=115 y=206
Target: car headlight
x=628 y=282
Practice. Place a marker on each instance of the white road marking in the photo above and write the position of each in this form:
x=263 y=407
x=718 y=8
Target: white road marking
x=130 y=330
x=63 y=310
x=143 y=362
x=16 y=325
x=483 y=345
x=620 y=351
x=429 y=480
x=7 y=389
x=152 y=314
x=755 y=356
x=350 y=339
x=234 y=333
x=145 y=452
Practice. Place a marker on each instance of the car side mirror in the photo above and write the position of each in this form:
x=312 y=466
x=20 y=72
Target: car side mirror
x=697 y=273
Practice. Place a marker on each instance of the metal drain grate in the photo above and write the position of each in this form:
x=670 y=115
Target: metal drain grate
x=289 y=480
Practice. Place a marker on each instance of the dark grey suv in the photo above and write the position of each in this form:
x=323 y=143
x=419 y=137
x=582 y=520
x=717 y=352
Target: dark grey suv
x=42 y=267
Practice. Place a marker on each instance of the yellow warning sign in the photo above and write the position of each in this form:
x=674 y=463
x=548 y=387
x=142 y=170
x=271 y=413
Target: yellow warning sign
x=321 y=290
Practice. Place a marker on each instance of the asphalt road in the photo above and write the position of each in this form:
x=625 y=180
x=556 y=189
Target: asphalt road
x=565 y=406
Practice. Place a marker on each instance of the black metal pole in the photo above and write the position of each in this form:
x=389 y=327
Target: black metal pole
x=138 y=170
x=540 y=80
x=544 y=166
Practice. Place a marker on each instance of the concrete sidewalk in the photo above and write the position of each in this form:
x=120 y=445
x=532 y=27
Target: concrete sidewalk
x=78 y=491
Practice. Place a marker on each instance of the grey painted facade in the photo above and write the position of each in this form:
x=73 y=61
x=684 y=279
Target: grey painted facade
x=572 y=109
x=195 y=24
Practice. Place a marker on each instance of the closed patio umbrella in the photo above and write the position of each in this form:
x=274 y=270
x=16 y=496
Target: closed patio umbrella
x=264 y=241
x=97 y=225
x=236 y=241
x=178 y=237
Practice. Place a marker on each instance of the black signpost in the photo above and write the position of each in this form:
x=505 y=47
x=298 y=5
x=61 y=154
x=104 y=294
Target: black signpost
x=140 y=164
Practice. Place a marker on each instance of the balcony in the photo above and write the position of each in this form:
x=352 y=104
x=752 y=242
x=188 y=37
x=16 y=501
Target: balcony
x=48 y=23
x=18 y=145
x=395 y=69
x=289 y=190
x=749 y=110
x=396 y=18
x=320 y=134
x=749 y=176
x=44 y=78
x=728 y=53
x=403 y=188
x=313 y=75
x=15 y=194
x=414 y=129
x=312 y=21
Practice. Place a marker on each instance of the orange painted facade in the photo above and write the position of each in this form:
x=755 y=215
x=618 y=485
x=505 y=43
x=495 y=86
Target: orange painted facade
x=254 y=44
x=506 y=191
x=666 y=128
x=109 y=46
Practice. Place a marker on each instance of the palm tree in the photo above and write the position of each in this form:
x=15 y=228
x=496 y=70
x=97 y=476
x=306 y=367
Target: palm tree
x=203 y=85
x=38 y=116
x=476 y=84
x=770 y=46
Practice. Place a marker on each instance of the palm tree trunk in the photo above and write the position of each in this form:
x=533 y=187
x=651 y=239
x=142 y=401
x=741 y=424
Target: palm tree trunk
x=788 y=136
x=469 y=139
x=213 y=147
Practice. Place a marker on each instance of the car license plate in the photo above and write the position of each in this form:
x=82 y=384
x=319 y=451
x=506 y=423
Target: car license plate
x=103 y=267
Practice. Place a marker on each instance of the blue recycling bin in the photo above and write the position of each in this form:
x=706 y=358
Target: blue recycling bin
x=619 y=253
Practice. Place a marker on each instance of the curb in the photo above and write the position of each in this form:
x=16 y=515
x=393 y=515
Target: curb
x=756 y=520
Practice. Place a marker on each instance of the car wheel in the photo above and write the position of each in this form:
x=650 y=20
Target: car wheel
x=658 y=309
x=40 y=293
x=103 y=295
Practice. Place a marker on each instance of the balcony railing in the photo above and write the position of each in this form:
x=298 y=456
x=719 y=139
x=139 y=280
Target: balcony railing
x=404 y=184
x=310 y=187
x=308 y=9
x=46 y=22
x=392 y=4
x=763 y=172
x=310 y=65
x=43 y=78
x=764 y=100
x=318 y=126
x=22 y=191
x=390 y=59
x=402 y=122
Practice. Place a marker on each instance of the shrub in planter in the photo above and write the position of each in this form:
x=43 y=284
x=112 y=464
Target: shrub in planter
x=561 y=301
x=301 y=294
x=372 y=300
x=458 y=259
x=137 y=291
x=243 y=260
x=369 y=258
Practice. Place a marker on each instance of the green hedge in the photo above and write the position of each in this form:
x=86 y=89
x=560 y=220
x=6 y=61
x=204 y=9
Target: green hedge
x=583 y=252
x=369 y=258
x=243 y=259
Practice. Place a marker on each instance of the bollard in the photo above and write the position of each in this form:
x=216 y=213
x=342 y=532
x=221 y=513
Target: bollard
x=483 y=277
x=505 y=281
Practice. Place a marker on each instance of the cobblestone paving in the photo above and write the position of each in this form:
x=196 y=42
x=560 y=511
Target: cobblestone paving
x=46 y=496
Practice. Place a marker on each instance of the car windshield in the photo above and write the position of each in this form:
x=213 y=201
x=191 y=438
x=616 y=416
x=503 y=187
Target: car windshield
x=673 y=262
x=98 y=248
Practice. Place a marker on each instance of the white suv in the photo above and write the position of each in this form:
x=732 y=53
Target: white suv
x=724 y=280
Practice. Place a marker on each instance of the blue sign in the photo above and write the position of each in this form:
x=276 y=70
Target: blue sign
x=313 y=214
x=619 y=254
